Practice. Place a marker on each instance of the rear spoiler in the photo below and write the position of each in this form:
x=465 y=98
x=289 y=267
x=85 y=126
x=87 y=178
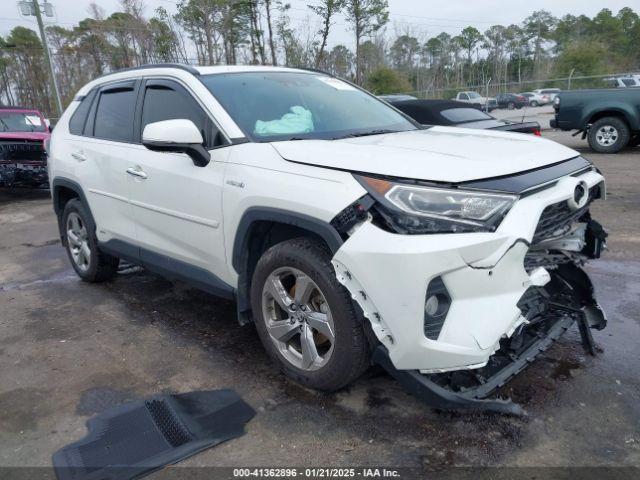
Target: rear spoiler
x=527 y=127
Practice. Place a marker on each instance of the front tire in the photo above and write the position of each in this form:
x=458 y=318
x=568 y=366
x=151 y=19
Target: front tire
x=511 y=106
x=81 y=244
x=305 y=318
x=609 y=135
x=533 y=103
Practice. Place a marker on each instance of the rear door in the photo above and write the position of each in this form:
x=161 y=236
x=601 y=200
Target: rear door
x=101 y=157
x=177 y=205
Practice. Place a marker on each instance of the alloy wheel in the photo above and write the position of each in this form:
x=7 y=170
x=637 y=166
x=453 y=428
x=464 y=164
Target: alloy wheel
x=78 y=240
x=607 y=135
x=298 y=318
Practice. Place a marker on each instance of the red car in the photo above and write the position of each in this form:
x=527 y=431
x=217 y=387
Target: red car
x=23 y=160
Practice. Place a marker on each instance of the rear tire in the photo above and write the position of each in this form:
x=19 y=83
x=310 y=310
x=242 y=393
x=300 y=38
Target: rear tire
x=511 y=106
x=288 y=316
x=609 y=135
x=81 y=244
x=533 y=103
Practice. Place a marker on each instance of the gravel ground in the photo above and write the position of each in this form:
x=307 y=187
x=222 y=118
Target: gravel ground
x=70 y=349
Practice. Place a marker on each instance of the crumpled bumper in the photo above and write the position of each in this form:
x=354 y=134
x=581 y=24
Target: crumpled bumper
x=388 y=275
x=22 y=173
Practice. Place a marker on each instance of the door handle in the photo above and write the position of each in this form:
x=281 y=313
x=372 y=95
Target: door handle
x=79 y=156
x=137 y=173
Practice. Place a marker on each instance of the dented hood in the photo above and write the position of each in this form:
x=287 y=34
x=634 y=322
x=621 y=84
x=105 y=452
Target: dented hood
x=444 y=154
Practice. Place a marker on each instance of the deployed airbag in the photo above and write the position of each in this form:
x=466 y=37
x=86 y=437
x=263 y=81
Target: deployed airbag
x=298 y=120
x=136 y=438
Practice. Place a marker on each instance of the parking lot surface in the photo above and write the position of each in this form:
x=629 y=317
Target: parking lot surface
x=542 y=115
x=70 y=350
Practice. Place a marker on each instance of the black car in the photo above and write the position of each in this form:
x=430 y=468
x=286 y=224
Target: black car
x=511 y=101
x=460 y=114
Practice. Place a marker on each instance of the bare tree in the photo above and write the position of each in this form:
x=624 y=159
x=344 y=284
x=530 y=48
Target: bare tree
x=366 y=18
x=326 y=11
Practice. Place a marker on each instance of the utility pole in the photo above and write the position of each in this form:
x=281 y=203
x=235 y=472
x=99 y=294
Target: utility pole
x=47 y=55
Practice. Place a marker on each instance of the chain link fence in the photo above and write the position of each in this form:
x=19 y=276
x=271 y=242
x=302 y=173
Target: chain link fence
x=491 y=88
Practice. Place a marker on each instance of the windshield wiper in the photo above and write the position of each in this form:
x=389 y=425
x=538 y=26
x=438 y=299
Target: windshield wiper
x=366 y=133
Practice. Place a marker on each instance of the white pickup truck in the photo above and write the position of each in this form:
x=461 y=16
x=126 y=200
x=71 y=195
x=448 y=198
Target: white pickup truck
x=475 y=98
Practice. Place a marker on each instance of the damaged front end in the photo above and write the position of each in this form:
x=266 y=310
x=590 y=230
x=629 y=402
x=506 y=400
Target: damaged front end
x=23 y=162
x=538 y=276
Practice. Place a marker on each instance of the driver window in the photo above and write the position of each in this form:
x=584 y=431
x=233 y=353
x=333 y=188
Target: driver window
x=165 y=100
x=464 y=96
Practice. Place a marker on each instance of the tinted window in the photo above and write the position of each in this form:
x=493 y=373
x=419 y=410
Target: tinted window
x=462 y=115
x=79 y=117
x=169 y=101
x=114 y=116
x=629 y=82
x=464 y=96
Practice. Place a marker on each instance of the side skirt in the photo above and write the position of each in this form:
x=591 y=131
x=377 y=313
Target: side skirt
x=169 y=267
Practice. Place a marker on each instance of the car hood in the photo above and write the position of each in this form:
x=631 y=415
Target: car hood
x=444 y=154
x=24 y=135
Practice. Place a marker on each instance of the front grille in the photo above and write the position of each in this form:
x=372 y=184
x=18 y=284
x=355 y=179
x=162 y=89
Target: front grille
x=557 y=218
x=22 y=150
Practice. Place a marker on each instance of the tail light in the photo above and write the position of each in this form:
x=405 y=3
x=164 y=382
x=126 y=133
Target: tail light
x=537 y=132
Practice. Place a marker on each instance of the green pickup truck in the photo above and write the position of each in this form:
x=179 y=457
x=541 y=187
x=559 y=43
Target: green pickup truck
x=608 y=118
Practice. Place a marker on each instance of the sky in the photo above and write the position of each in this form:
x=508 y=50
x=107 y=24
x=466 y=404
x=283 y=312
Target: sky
x=422 y=18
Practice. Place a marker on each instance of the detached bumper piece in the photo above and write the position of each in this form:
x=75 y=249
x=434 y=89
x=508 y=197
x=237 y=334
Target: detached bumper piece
x=137 y=438
x=550 y=311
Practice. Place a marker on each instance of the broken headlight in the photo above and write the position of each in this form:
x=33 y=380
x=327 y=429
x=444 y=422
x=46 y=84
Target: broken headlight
x=412 y=208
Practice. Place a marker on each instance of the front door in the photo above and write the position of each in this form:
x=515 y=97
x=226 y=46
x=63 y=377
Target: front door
x=177 y=206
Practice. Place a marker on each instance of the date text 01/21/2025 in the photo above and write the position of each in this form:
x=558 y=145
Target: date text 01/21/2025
x=316 y=472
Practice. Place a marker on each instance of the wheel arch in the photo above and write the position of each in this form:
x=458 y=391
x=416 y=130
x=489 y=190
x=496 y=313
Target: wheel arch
x=618 y=112
x=259 y=229
x=63 y=190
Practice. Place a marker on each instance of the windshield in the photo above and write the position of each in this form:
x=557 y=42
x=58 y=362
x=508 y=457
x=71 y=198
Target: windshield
x=294 y=106
x=21 y=122
x=462 y=115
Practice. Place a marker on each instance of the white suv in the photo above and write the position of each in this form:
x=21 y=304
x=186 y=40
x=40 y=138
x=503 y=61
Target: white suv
x=347 y=233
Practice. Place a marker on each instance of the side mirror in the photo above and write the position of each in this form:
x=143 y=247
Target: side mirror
x=181 y=136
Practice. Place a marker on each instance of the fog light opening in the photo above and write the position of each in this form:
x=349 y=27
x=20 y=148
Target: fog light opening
x=436 y=307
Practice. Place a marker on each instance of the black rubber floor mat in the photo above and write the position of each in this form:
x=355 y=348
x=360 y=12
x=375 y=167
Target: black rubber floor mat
x=134 y=439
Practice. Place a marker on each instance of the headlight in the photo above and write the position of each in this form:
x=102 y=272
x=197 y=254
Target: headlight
x=424 y=209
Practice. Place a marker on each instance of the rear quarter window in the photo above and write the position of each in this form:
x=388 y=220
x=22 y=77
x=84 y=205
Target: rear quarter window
x=79 y=117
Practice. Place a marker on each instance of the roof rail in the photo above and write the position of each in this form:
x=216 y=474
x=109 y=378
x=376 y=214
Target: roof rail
x=180 y=66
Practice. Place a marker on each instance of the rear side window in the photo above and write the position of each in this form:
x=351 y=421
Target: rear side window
x=79 y=117
x=166 y=100
x=461 y=115
x=115 y=114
